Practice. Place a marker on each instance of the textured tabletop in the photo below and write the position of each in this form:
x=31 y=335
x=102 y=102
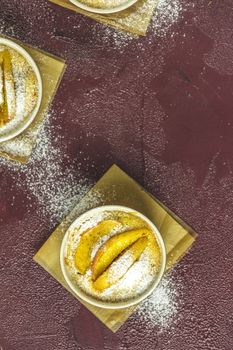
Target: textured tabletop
x=161 y=108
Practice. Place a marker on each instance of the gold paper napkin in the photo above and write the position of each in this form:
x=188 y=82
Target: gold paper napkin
x=134 y=20
x=116 y=187
x=51 y=69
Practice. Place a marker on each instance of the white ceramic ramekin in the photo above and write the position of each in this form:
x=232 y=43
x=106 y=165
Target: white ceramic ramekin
x=18 y=129
x=118 y=8
x=105 y=304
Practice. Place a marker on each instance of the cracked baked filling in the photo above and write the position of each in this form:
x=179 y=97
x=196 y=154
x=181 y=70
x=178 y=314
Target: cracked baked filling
x=18 y=88
x=113 y=257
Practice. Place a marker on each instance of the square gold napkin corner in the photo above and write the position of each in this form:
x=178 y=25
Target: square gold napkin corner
x=51 y=69
x=134 y=20
x=116 y=187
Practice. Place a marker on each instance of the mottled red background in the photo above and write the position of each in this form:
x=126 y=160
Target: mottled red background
x=162 y=108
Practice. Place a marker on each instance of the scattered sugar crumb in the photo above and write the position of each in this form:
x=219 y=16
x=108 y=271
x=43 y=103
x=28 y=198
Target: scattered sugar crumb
x=166 y=15
x=161 y=307
x=55 y=188
x=110 y=36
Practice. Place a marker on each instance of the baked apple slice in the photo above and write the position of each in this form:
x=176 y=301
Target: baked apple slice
x=132 y=222
x=2 y=107
x=9 y=87
x=88 y=239
x=1 y=83
x=119 y=267
x=110 y=250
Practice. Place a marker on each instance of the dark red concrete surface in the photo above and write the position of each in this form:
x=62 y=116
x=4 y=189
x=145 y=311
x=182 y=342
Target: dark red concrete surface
x=162 y=108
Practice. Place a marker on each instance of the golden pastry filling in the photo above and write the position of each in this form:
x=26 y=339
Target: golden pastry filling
x=18 y=88
x=113 y=257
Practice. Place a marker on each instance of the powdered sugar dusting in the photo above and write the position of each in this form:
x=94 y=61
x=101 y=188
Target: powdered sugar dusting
x=110 y=36
x=160 y=309
x=120 y=267
x=166 y=15
x=56 y=189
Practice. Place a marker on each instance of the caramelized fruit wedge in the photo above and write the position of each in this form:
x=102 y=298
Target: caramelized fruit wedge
x=88 y=239
x=3 y=107
x=9 y=86
x=132 y=222
x=114 y=273
x=1 y=83
x=114 y=247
